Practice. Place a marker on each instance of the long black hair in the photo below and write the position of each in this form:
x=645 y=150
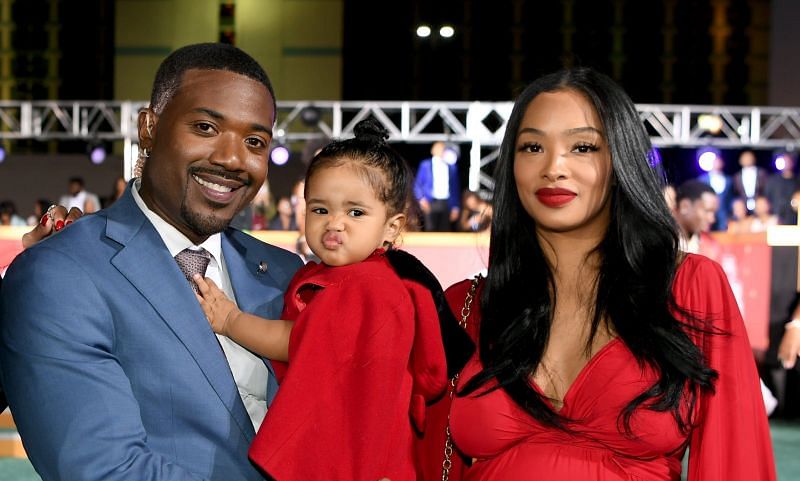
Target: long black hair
x=638 y=261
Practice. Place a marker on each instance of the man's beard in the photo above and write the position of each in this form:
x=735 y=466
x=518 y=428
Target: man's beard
x=203 y=225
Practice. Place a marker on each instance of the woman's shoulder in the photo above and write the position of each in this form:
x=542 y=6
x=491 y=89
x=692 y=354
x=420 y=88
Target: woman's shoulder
x=698 y=277
x=459 y=287
x=697 y=268
x=702 y=289
x=463 y=301
x=457 y=292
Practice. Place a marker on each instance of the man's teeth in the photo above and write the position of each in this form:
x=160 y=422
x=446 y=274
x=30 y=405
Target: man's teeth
x=211 y=185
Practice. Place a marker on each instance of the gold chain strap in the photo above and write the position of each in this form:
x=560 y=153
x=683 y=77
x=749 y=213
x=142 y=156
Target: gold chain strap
x=447 y=463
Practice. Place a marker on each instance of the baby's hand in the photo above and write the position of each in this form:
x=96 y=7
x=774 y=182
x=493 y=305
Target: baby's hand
x=218 y=308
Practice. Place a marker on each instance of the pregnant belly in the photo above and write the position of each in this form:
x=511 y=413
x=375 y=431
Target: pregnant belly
x=536 y=462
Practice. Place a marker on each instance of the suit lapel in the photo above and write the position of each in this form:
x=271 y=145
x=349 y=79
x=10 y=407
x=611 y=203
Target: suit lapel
x=255 y=284
x=146 y=263
x=253 y=276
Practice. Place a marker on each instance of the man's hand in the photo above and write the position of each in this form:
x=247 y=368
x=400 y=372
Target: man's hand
x=55 y=219
x=789 y=348
x=425 y=206
x=454 y=214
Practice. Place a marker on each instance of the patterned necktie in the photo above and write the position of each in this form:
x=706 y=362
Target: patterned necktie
x=193 y=262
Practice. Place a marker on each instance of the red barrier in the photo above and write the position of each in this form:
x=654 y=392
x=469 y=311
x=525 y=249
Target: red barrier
x=746 y=259
x=10 y=245
x=452 y=257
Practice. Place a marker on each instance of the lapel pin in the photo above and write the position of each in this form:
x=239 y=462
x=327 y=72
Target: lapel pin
x=262 y=267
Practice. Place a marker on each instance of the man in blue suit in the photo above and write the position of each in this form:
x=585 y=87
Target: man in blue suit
x=436 y=188
x=109 y=365
x=723 y=186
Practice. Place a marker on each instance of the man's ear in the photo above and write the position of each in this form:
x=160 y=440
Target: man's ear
x=146 y=127
x=394 y=226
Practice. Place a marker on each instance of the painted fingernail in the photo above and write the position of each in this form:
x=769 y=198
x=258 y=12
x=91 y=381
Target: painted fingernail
x=68 y=222
x=59 y=225
x=43 y=221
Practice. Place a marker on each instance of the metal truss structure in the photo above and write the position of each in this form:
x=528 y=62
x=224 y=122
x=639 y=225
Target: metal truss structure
x=477 y=124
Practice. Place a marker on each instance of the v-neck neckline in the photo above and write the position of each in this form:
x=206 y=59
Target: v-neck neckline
x=579 y=379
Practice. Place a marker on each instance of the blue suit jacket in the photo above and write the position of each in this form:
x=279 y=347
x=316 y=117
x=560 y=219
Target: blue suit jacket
x=423 y=183
x=109 y=365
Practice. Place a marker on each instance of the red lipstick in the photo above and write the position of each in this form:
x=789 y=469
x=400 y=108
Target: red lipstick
x=555 y=197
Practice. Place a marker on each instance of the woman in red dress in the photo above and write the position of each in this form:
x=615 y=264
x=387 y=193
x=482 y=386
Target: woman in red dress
x=603 y=353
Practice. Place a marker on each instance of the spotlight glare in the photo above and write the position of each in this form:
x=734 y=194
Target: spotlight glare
x=98 y=155
x=706 y=160
x=447 y=31
x=450 y=155
x=710 y=123
x=423 y=31
x=2 y=154
x=780 y=162
x=279 y=155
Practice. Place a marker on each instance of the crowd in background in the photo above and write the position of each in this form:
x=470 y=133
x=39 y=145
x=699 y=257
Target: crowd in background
x=76 y=196
x=751 y=200
x=440 y=204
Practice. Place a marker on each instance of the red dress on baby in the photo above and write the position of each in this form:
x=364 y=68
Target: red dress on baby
x=365 y=355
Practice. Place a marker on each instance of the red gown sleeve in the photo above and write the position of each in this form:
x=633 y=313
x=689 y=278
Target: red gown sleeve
x=731 y=440
x=342 y=411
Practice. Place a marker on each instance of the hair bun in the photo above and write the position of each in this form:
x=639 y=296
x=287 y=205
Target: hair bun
x=371 y=130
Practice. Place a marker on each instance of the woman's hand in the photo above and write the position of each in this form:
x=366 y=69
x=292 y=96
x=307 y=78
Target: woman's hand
x=55 y=219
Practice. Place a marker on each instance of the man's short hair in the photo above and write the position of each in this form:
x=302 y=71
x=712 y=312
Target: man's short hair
x=76 y=180
x=692 y=190
x=203 y=56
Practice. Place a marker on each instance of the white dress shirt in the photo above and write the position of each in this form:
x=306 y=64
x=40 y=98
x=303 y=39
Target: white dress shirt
x=749 y=177
x=249 y=370
x=441 y=178
x=717 y=182
x=690 y=245
x=78 y=200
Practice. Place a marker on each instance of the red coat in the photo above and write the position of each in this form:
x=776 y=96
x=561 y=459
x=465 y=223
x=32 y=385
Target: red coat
x=365 y=352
